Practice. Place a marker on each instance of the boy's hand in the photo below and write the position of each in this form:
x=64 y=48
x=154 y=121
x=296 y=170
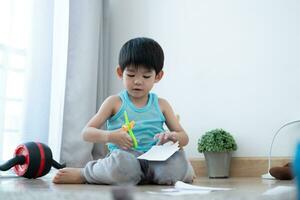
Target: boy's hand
x=120 y=138
x=166 y=137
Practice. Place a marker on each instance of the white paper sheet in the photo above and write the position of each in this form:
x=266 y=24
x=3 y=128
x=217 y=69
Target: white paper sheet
x=184 y=186
x=174 y=192
x=280 y=190
x=160 y=152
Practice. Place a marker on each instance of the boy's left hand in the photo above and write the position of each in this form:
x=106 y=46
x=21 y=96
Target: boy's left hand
x=166 y=137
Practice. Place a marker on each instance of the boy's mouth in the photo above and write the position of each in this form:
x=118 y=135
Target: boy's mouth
x=137 y=89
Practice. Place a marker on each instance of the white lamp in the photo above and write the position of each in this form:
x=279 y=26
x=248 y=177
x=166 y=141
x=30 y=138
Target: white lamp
x=268 y=175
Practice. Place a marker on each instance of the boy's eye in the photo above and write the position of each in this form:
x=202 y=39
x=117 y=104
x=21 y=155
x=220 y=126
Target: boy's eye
x=146 y=76
x=130 y=75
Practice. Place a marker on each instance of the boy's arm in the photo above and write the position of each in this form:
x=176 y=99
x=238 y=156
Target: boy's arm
x=177 y=133
x=92 y=132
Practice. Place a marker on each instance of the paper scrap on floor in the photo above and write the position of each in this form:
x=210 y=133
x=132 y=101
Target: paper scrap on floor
x=160 y=152
x=279 y=190
x=182 y=188
x=175 y=192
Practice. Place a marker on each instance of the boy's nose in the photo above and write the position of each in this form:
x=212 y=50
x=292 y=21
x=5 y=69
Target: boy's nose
x=137 y=81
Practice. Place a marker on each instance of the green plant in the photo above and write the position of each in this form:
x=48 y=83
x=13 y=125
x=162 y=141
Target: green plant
x=216 y=140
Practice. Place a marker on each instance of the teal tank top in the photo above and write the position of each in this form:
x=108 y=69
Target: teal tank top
x=148 y=120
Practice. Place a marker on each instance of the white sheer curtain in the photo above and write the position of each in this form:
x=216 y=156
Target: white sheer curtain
x=37 y=94
x=25 y=63
x=63 y=79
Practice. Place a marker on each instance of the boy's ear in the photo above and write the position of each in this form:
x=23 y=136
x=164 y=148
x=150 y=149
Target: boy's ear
x=159 y=76
x=119 y=71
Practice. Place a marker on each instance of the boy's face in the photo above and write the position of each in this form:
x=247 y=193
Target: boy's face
x=138 y=80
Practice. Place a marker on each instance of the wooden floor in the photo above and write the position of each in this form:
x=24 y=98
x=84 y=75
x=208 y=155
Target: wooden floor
x=12 y=187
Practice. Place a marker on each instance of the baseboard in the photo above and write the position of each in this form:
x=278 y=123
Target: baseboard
x=242 y=166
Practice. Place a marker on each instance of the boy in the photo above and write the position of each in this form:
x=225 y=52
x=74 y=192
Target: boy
x=140 y=67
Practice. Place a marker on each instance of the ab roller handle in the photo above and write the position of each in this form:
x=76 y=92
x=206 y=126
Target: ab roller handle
x=32 y=160
x=17 y=160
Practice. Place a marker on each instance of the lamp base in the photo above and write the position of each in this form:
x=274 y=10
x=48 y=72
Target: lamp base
x=267 y=176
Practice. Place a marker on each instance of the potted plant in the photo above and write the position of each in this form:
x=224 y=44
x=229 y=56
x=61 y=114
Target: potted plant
x=217 y=146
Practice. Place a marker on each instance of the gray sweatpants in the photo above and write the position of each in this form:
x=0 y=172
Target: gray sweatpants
x=121 y=167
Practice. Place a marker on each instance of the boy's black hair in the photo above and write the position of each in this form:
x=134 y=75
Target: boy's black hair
x=142 y=52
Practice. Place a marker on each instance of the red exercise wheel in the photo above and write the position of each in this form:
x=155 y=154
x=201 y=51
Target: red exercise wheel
x=32 y=160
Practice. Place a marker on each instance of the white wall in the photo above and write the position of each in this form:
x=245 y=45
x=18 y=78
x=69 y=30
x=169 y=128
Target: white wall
x=229 y=64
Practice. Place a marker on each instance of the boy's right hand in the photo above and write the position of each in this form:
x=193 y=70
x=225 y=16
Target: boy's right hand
x=120 y=138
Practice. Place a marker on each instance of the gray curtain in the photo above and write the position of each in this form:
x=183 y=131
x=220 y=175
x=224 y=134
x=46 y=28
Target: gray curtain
x=86 y=81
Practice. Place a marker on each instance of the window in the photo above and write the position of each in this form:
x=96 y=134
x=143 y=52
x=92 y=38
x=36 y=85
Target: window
x=15 y=22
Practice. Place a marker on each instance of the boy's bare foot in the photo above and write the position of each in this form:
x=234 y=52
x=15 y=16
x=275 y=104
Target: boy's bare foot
x=68 y=175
